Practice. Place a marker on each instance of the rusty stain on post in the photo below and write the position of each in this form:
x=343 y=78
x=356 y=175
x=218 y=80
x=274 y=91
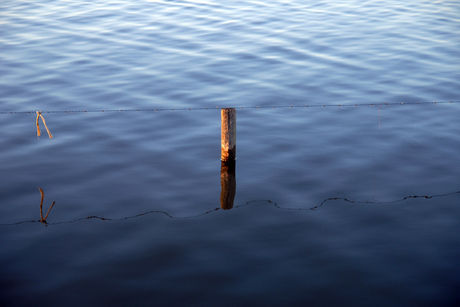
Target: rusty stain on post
x=228 y=134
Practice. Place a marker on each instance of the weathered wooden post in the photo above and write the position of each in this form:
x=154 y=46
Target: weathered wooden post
x=228 y=134
x=228 y=157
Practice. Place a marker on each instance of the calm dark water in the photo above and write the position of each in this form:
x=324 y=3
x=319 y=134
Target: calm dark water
x=334 y=206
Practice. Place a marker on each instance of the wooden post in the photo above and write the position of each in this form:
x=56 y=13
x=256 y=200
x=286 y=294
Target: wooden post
x=228 y=157
x=228 y=134
x=228 y=184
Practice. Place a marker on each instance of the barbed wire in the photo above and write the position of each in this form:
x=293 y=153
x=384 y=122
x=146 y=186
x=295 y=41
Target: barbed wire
x=236 y=107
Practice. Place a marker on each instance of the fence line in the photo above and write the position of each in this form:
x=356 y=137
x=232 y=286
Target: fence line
x=238 y=107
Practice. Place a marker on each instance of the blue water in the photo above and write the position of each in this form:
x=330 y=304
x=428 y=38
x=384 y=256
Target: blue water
x=335 y=206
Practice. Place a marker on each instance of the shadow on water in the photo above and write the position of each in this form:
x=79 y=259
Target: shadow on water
x=227 y=198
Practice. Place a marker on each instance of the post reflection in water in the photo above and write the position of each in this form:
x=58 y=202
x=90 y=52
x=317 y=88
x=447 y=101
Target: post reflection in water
x=228 y=183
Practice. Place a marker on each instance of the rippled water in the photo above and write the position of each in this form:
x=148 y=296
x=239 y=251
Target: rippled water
x=334 y=206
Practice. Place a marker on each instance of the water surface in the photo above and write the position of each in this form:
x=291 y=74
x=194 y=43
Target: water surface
x=334 y=206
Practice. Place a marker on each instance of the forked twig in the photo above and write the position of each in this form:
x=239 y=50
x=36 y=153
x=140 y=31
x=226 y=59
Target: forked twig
x=39 y=114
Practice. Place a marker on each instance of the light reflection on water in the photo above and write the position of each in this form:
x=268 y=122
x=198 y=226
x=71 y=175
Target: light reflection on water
x=329 y=206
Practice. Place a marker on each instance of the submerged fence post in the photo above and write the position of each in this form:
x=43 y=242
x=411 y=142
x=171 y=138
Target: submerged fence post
x=228 y=135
